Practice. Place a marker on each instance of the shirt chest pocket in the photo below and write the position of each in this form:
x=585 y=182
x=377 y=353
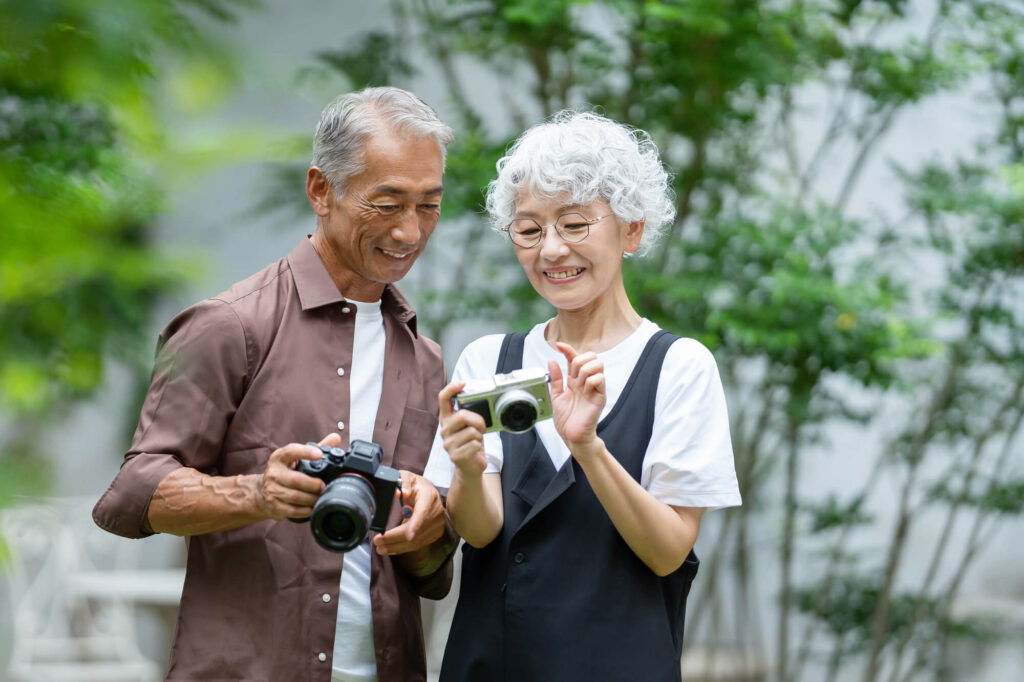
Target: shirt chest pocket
x=415 y=435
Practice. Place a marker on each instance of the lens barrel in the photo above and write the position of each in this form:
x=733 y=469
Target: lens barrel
x=516 y=410
x=343 y=513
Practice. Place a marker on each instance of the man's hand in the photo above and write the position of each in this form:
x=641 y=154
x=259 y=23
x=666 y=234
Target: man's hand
x=283 y=491
x=423 y=527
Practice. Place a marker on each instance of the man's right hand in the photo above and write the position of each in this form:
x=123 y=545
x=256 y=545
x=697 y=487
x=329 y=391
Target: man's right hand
x=283 y=491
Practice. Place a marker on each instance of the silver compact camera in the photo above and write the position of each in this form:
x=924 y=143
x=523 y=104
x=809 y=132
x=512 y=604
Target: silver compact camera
x=510 y=402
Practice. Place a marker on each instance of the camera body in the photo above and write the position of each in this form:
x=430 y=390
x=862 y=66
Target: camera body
x=511 y=402
x=357 y=497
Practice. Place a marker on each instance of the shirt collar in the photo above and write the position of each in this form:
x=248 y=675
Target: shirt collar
x=316 y=288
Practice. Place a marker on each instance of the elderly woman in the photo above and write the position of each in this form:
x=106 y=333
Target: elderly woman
x=580 y=531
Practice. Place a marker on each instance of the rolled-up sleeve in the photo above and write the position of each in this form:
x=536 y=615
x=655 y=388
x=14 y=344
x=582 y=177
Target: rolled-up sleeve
x=199 y=377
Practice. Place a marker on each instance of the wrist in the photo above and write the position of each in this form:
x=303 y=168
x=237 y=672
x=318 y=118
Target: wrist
x=468 y=476
x=587 y=450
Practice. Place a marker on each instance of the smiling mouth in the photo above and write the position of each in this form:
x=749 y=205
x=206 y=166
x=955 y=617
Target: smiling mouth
x=398 y=255
x=563 y=274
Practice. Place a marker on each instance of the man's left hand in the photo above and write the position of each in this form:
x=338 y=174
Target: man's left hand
x=423 y=527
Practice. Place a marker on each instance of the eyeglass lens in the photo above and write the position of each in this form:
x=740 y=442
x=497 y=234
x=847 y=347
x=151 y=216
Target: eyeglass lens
x=571 y=227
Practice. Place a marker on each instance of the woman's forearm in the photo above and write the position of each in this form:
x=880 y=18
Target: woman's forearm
x=659 y=534
x=474 y=506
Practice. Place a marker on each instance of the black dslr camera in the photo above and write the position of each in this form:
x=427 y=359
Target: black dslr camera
x=358 y=495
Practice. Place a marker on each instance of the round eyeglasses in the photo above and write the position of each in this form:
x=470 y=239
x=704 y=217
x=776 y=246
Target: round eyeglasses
x=571 y=227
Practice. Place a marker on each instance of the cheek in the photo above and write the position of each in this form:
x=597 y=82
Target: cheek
x=525 y=258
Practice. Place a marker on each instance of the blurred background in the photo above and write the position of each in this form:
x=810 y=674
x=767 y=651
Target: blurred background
x=849 y=244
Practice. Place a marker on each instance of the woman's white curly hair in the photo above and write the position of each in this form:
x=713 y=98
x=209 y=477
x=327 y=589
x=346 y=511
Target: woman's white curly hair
x=586 y=156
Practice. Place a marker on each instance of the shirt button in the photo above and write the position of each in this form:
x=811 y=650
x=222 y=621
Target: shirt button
x=326 y=597
x=341 y=426
x=519 y=557
x=322 y=656
x=346 y=309
x=341 y=371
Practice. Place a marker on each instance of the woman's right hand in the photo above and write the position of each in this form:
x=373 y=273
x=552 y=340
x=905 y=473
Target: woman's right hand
x=462 y=432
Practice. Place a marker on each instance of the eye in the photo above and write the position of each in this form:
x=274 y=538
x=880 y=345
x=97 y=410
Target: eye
x=575 y=227
x=387 y=209
x=430 y=208
x=525 y=228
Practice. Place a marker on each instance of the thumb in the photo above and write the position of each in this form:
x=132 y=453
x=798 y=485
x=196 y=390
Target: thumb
x=331 y=440
x=293 y=452
x=556 y=379
x=444 y=398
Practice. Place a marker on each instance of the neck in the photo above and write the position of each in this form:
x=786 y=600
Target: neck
x=595 y=328
x=350 y=284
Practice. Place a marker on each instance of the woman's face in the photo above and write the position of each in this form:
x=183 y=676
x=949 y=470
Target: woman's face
x=575 y=276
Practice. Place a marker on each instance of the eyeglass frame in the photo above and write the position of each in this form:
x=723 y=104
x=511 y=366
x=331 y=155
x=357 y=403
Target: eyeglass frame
x=544 y=228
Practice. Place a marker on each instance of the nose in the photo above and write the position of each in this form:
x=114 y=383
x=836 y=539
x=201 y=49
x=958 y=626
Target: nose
x=407 y=228
x=552 y=246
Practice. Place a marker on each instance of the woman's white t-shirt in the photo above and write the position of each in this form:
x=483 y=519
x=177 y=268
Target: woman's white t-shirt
x=689 y=460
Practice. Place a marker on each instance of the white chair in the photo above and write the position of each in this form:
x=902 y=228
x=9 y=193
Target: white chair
x=57 y=634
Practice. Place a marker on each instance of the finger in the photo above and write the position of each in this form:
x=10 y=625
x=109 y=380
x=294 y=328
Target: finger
x=568 y=351
x=461 y=437
x=295 y=480
x=595 y=383
x=579 y=362
x=444 y=397
x=463 y=420
x=555 y=382
x=590 y=368
x=293 y=452
x=331 y=440
x=290 y=511
x=293 y=497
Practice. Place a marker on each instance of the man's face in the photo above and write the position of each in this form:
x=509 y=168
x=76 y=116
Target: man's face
x=373 y=235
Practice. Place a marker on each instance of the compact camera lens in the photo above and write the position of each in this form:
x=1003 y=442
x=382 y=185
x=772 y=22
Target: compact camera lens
x=516 y=410
x=343 y=513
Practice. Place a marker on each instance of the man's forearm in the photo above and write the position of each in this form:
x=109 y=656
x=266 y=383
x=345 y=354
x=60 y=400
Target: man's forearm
x=187 y=502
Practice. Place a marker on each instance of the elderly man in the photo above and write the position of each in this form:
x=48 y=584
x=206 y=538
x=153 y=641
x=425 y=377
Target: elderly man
x=320 y=342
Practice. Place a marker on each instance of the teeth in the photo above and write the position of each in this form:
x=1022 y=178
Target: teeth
x=396 y=254
x=562 y=274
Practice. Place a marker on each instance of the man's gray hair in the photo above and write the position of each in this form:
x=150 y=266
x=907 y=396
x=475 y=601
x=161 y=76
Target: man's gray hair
x=348 y=121
x=586 y=157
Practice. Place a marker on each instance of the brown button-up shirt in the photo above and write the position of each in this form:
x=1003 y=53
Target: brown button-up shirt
x=237 y=376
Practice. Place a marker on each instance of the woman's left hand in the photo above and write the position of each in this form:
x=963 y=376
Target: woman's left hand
x=577 y=402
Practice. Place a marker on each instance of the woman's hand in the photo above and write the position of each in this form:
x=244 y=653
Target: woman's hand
x=462 y=432
x=474 y=498
x=577 y=402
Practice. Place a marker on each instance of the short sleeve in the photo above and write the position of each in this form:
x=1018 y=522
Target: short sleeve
x=689 y=461
x=477 y=361
x=199 y=377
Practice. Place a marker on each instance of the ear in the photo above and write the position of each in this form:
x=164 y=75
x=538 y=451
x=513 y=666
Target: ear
x=631 y=236
x=318 y=191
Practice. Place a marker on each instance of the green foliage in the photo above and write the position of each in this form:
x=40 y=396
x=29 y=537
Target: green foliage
x=82 y=162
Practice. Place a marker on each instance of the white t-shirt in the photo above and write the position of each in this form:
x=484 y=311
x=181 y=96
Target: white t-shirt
x=354 y=657
x=689 y=461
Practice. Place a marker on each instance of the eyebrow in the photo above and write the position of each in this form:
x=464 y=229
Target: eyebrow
x=562 y=210
x=388 y=189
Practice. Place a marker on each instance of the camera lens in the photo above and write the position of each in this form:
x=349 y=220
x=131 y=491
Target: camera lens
x=343 y=513
x=516 y=410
